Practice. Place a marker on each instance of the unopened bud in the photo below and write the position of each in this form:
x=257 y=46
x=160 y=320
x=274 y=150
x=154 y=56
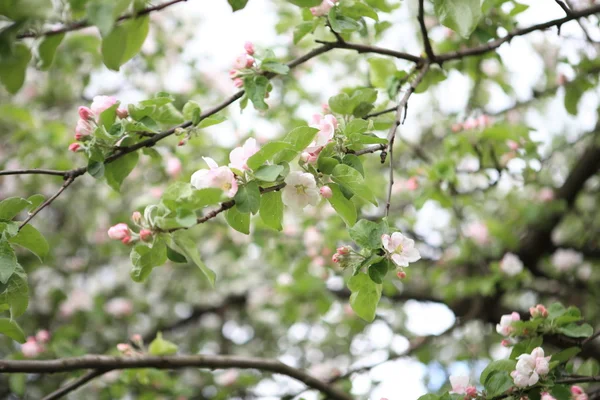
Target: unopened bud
x=401 y=274
x=122 y=112
x=136 y=217
x=146 y=235
x=326 y=192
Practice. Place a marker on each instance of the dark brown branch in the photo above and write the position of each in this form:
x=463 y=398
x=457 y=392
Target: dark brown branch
x=426 y=42
x=108 y=363
x=579 y=379
x=364 y=48
x=85 y=23
x=494 y=44
x=77 y=383
x=34 y=171
x=45 y=204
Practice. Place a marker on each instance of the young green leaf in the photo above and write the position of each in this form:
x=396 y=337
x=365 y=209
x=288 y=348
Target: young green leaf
x=344 y=207
x=365 y=296
x=189 y=248
x=271 y=210
x=11 y=329
x=31 y=239
x=462 y=16
x=247 y=198
x=161 y=347
x=11 y=206
x=352 y=179
x=238 y=220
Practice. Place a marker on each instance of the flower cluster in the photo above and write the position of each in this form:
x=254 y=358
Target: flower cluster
x=472 y=123
x=566 y=259
x=538 y=311
x=460 y=385
x=323 y=8
x=242 y=63
x=478 y=232
x=326 y=124
x=400 y=249
x=530 y=367
x=505 y=328
x=35 y=344
x=89 y=117
x=122 y=232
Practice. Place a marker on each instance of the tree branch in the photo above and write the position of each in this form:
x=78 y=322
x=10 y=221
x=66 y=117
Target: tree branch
x=364 y=48
x=108 y=363
x=426 y=42
x=77 y=383
x=45 y=204
x=84 y=23
x=34 y=171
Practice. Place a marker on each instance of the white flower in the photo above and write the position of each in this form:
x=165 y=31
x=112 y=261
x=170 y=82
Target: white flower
x=504 y=328
x=401 y=249
x=326 y=125
x=511 y=265
x=102 y=103
x=530 y=367
x=119 y=307
x=477 y=231
x=566 y=259
x=584 y=272
x=240 y=155
x=215 y=177
x=300 y=190
x=459 y=384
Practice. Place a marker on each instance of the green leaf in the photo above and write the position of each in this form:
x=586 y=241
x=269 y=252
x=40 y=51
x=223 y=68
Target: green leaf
x=96 y=169
x=357 y=10
x=11 y=329
x=302 y=30
x=145 y=258
x=8 y=261
x=377 y=271
x=577 y=331
x=212 y=120
x=367 y=234
x=275 y=67
x=118 y=170
x=298 y=138
x=31 y=239
x=266 y=153
x=237 y=220
x=556 y=310
x=36 y=200
x=352 y=179
x=247 y=198
x=162 y=347
x=380 y=71
x=566 y=354
x=305 y=3
x=256 y=90
x=47 y=50
x=342 y=24
x=175 y=256
x=268 y=173
x=341 y=104
x=124 y=42
x=15 y=293
x=365 y=296
x=573 y=94
x=100 y=13
x=344 y=207
x=188 y=247
x=357 y=125
x=271 y=210
x=13 y=68
x=354 y=161
x=462 y=16
x=497 y=383
x=237 y=5
x=326 y=164
x=561 y=392
x=497 y=365
x=10 y=207
x=192 y=111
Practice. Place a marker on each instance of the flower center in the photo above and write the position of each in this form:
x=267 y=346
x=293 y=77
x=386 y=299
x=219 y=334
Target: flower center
x=226 y=186
x=300 y=189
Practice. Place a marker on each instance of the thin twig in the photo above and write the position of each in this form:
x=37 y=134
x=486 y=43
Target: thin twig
x=85 y=23
x=108 y=363
x=364 y=48
x=581 y=25
x=588 y=340
x=391 y=183
x=34 y=171
x=45 y=204
x=426 y=42
x=77 y=383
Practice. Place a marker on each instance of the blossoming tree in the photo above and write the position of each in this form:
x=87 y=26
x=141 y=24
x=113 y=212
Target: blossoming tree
x=289 y=254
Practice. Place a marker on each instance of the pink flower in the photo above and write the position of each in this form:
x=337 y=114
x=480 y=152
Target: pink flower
x=215 y=177
x=146 y=235
x=401 y=274
x=227 y=378
x=123 y=347
x=325 y=108
x=78 y=300
x=249 y=47
x=326 y=125
x=412 y=183
x=137 y=338
x=547 y=396
x=119 y=231
x=529 y=368
x=119 y=307
x=459 y=384
x=343 y=250
x=43 y=336
x=239 y=156
x=243 y=61
x=577 y=393
x=136 y=217
x=505 y=343
x=323 y=8
x=310 y=158
x=484 y=121
x=238 y=83
x=102 y=103
x=234 y=73
x=456 y=127
x=566 y=259
x=538 y=311
x=31 y=348
x=471 y=392
x=512 y=145
x=401 y=249
x=326 y=192
x=85 y=113
x=470 y=124
x=173 y=167
x=478 y=232
x=505 y=328
x=545 y=195
x=122 y=112
x=74 y=147
x=83 y=128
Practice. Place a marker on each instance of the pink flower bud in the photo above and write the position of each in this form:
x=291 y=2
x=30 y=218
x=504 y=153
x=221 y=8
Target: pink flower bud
x=326 y=192
x=146 y=235
x=534 y=312
x=484 y=121
x=457 y=127
x=505 y=343
x=83 y=128
x=576 y=390
x=85 y=113
x=335 y=258
x=512 y=145
x=119 y=231
x=43 y=336
x=127 y=240
x=343 y=250
x=401 y=274
x=238 y=83
x=74 y=147
x=182 y=142
x=136 y=338
x=249 y=61
x=542 y=310
x=234 y=73
x=123 y=347
x=412 y=183
x=471 y=391
x=305 y=156
x=102 y=103
x=470 y=124
x=249 y=47
x=136 y=217
x=122 y=112
x=561 y=80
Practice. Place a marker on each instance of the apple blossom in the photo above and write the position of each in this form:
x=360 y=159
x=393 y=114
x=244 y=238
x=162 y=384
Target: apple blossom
x=243 y=61
x=227 y=378
x=538 y=311
x=323 y=8
x=478 y=232
x=511 y=265
x=239 y=156
x=456 y=127
x=249 y=47
x=411 y=183
x=124 y=347
x=173 y=166
x=83 y=128
x=101 y=104
x=504 y=328
x=566 y=259
x=43 y=336
x=530 y=367
x=584 y=271
x=401 y=249
x=215 y=177
x=234 y=73
x=31 y=348
x=85 y=113
x=238 y=83
x=545 y=195
x=119 y=307
x=512 y=145
x=122 y=112
x=78 y=300
x=74 y=147
x=146 y=235
x=577 y=393
x=136 y=217
x=401 y=274
x=119 y=231
x=326 y=192
x=459 y=384
x=505 y=343
x=547 y=396
x=326 y=125
x=137 y=338
x=300 y=190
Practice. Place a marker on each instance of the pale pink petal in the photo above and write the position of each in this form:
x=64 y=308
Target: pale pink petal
x=399 y=260
x=385 y=239
x=397 y=239
x=212 y=164
x=412 y=254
